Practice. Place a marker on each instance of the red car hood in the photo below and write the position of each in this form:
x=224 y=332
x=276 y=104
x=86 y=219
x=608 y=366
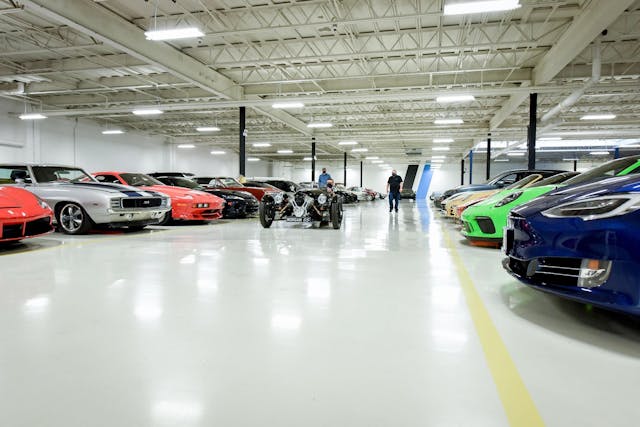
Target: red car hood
x=17 y=198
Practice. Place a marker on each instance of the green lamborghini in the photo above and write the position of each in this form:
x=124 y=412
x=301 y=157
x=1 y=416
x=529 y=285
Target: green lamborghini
x=483 y=222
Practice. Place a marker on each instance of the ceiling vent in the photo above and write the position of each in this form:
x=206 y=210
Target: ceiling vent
x=413 y=152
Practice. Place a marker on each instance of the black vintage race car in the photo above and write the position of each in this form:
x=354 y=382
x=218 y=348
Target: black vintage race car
x=320 y=206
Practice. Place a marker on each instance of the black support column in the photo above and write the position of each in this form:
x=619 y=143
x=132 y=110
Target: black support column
x=462 y=171
x=470 y=166
x=345 y=169
x=488 y=174
x=575 y=166
x=243 y=139
x=531 y=131
x=313 y=159
x=360 y=173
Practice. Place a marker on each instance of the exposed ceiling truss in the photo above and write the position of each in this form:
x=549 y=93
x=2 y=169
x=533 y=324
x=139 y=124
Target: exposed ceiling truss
x=373 y=68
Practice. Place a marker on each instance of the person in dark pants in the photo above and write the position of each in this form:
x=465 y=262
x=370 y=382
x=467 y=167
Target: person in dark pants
x=394 y=187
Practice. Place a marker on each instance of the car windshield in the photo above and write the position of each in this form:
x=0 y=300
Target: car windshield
x=204 y=180
x=139 y=179
x=523 y=182
x=185 y=182
x=229 y=182
x=555 y=179
x=60 y=174
x=284 y=185
x=624 y=166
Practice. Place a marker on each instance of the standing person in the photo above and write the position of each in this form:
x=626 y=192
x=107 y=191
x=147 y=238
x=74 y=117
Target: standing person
x=394 y=187
x=323 y=178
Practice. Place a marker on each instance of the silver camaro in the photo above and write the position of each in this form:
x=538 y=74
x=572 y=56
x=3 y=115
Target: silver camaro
x=79 y=201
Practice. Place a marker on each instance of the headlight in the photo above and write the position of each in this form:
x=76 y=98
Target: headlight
x=596 y=208
x=278 y=197
x=322 y=199
x=42 y=203
x=510 y=198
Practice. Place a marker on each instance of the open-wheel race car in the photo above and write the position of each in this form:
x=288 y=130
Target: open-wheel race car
x=319 y=206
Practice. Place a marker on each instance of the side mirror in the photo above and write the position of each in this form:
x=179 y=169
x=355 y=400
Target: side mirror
x=501 y=183
x=20 y=181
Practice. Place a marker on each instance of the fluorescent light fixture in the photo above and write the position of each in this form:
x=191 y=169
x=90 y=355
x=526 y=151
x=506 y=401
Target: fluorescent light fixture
x=440 y=149
x=173 y=34
x=217 y=152
x=569 y=160
x=253 y=159
x=285 y=151
x=516 y=154
x=437 y=161
x=186 y=146
x=32 y=116
x=372 y=158
x=468 y=7
x=448 y=121
x=550 y=138
x=377 y=161
x=112 y=132
x=598 y=117
x=442 y=140
x=261 y=144
x=319 y=125
x=348 y=143
x=455 y=98
x=438 y=157
x=359 y=150
x=599 y=153
x=208 y=129
x=501 y=160
x=307 y=159
x=147 y=112
x=287 y=105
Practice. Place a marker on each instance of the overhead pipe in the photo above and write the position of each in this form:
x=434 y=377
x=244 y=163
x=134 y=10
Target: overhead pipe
x=569 y=101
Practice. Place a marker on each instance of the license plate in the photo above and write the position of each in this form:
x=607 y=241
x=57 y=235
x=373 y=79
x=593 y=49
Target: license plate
x=294 y=219
x=507 y=240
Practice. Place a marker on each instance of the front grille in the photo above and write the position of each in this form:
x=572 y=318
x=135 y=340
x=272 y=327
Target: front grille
x=12 y=231
x=486 y=225
x=38 y=226
x=141 y=202
x=549 y=271
x=116 y=203
x=210 y=213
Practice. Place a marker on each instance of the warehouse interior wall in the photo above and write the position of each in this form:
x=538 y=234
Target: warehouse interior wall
x=80 y=143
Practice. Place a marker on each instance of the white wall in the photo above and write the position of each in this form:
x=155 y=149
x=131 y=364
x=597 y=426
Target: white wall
x=81 y=143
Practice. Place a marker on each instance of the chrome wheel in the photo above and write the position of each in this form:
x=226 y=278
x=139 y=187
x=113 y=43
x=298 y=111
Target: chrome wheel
x=72 y=219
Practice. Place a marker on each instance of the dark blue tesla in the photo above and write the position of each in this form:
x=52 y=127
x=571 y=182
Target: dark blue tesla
x=581 y=243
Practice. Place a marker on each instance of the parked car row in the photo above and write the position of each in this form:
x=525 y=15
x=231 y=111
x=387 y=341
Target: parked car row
x=573 y=235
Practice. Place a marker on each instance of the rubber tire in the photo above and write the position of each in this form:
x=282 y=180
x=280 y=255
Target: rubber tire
x=336 y=215
x=135 y=228
x=85 y=221
x=167 y=218
x=262 y=213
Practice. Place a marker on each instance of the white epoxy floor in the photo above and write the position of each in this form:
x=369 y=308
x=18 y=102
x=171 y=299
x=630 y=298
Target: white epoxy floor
x=233 y=325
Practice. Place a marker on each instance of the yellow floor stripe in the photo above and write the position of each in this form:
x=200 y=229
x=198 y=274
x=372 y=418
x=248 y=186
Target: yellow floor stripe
x=516 y=400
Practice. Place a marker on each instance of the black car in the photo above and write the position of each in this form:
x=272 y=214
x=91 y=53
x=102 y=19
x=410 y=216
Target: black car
x=235 y=206
x=319 y=206
x=281 y=184
x=172 y=174
x=499 y=181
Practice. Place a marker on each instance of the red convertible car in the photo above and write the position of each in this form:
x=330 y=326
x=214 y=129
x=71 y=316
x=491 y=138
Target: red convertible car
x=186 y=204
x=229 y=183
x=23 y=215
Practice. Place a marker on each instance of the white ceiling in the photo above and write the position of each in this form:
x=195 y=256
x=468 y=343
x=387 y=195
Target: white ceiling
x=371 y=68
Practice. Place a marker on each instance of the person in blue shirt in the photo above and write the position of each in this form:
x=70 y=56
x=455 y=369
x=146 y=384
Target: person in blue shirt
x=323 y=178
